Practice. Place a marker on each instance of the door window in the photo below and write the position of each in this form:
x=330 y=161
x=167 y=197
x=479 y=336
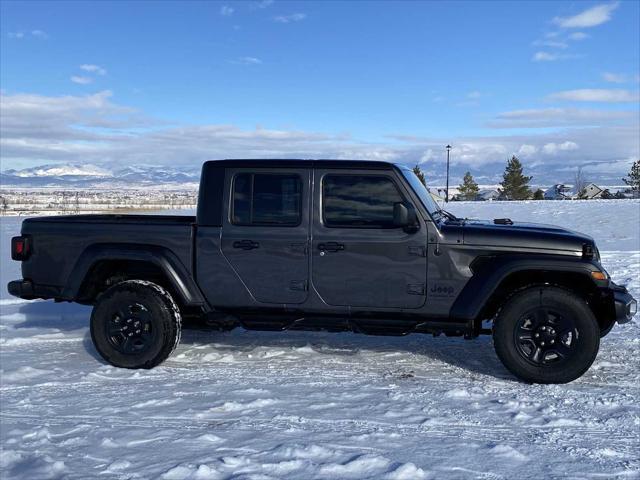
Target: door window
x=266 y=199
x=359 y=201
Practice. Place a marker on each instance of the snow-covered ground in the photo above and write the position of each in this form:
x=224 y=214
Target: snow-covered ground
x=320 y=405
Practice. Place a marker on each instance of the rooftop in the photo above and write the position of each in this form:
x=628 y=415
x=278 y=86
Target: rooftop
x=302 y=163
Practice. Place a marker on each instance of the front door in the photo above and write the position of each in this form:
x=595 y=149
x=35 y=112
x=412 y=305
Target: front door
x=265 y=236
x=359 y=257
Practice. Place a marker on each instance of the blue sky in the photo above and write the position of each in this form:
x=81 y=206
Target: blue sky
x=179 y=82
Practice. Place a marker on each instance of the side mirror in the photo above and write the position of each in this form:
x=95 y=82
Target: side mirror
x=405 y=217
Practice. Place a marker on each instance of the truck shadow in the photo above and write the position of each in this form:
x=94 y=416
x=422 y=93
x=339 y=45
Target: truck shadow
x=47 y=314
x=476 y=356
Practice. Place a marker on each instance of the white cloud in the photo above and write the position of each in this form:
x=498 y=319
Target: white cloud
x=471 y=99
x=526 y=150
x=556 y=148
x=559 y=117
x=247 y=61
x=81 y=80
x=578 y=36
x=38 y=34
x=294 y=17
x=616 y=77
x=597 y=95
x=552 y=57
x=544 y=57
x=37 y=129
x=588 y=18
x=226 y=10
x=550 y=43
x=264 y=3
x=566 y=146
x=97 y=69
x=428 y=156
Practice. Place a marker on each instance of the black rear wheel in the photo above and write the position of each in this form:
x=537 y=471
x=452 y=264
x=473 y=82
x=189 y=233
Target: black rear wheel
x=135 y=324
x=546 y=335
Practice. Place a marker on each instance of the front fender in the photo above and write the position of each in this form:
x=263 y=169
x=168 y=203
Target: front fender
x=492 y=271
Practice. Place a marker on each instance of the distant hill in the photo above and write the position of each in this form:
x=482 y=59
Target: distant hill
x=79 y=176
x=87 y=176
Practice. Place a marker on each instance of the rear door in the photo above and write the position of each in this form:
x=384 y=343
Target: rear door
x=359 y=257
x=265 y=235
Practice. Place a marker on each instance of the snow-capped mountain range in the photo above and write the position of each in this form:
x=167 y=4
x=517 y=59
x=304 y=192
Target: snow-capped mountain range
x=86 y=176
x=77 y=176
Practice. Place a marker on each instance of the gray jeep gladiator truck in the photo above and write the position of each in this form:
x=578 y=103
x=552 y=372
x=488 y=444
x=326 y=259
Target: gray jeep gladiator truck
x=332 y=245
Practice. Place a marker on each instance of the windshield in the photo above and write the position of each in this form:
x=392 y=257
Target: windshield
x=422 y=192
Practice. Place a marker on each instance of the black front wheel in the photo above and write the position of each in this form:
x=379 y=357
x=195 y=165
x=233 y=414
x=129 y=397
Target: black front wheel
x=546 y=335
x=135 y=324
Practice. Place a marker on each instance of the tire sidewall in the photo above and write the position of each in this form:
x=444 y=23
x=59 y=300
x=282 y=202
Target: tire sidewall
x=163 y=313
x=564 y=302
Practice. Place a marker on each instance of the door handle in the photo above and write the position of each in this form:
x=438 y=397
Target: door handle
x=246 y=244
x=330 y=247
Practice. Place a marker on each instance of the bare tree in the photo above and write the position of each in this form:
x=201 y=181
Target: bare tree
x=580 y=182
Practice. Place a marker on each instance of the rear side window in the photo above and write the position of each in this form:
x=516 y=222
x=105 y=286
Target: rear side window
x=359 y=201
x=266 y=199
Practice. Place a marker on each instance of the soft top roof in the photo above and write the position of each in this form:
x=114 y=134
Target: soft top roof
x=300 y=163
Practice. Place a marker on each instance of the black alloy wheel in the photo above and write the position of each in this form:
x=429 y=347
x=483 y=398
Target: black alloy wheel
x=544 y=336
x=129 y=329
x=135 y=324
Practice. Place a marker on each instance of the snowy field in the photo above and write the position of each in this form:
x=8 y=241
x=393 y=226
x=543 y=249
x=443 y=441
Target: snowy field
x=253 y=405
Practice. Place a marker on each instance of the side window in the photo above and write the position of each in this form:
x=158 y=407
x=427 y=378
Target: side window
x=359 y=201
x=266 y=199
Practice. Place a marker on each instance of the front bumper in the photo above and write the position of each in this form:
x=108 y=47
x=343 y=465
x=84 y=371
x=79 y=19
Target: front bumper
x=625 y=305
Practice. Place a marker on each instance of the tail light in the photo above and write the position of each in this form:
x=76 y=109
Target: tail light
x=20 y=248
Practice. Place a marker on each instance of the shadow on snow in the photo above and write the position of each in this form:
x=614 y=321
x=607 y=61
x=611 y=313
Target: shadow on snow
x=476 y=356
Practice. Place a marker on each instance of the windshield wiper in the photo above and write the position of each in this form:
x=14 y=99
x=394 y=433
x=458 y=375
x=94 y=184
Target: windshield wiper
x=449 y=215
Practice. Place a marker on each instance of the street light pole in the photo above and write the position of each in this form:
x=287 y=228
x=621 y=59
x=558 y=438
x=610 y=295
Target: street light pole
x=446 y=198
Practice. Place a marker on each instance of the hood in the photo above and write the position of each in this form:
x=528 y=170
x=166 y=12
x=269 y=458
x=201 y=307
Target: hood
x=523 y=235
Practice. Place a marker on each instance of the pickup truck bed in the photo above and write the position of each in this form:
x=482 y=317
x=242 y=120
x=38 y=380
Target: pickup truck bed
x=69 y=241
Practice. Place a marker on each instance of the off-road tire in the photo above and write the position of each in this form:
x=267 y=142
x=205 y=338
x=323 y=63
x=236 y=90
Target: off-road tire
x=518 y=354
x=156 y=333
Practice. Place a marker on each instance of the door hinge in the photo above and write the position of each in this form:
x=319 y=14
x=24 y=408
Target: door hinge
x=415 y=288
x=419 y=251
x=298 y=285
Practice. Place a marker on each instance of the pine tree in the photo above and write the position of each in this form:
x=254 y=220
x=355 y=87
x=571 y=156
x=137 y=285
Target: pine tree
x=515 y=184
x=418 y=171
x=469 y=188
x=538 y=195
x=633 y=178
